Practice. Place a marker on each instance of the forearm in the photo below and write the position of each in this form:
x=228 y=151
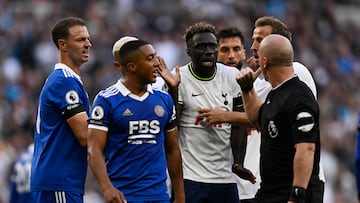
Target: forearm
x=174 y=164
x=238 y=141
x=252 y=106
x=238 y=118
x=303 y=165
x=98 y=167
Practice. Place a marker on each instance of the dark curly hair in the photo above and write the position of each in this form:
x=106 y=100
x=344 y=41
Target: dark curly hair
x=197 y=28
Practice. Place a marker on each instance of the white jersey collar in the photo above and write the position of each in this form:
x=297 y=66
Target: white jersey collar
x=126 y=92
x=65 y=67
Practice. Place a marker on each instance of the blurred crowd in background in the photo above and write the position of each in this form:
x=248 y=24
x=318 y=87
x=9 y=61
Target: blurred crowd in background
x=325 y=39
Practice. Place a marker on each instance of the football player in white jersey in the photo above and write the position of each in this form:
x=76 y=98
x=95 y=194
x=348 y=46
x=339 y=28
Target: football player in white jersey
x=206 y=150
x=263 y=26
x=231 y=52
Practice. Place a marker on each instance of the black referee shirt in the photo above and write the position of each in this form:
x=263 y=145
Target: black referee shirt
x=289 y=115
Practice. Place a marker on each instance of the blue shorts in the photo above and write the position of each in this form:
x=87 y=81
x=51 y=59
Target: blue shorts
x=57 y=197
x=196 y=192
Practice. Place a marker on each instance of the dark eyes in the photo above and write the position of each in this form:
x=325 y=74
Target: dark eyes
x=203 y=47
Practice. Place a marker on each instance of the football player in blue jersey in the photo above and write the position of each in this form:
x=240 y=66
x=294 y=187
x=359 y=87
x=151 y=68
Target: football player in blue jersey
x=59 y=164
x=20 y=178
x=132 y=132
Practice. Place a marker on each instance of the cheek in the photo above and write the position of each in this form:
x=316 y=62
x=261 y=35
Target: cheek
x=221 y=56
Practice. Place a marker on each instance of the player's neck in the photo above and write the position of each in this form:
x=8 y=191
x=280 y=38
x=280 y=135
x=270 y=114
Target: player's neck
x=75 y=67
x=203 y=72
x=135 y=88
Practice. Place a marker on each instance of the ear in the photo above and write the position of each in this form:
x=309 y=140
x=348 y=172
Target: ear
x=117 y=66
x=188 y=51
x=131 y=66
x=62 y=44
x=265 y=61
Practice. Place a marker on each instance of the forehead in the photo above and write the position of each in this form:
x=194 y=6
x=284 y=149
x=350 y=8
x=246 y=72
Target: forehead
x=261 y=32
x=147 y=50
x=78 y=30
x=203 y=38
x=230 y=42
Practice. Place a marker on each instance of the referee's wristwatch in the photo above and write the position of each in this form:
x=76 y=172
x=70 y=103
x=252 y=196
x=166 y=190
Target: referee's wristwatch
x=298 y=194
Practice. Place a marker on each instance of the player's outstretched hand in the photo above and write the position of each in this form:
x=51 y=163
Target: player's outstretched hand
x=243 y=173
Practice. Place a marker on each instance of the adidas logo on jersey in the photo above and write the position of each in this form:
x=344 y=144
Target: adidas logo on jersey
x=127 y=112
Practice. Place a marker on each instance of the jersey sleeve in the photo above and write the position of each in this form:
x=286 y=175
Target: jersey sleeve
x=100 y=113
x=67 y=94
x=172 y=114
x=302 y=111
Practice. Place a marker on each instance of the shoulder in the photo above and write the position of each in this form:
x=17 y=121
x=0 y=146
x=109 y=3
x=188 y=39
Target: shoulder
x=162 y=94
x=300 y=69
x=109 y=92
x=227 y=69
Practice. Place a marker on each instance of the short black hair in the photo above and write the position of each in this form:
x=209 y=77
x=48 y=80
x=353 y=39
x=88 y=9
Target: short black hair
x=200 y=27
x=129 y=48
x=61 y=28
x=230 y=32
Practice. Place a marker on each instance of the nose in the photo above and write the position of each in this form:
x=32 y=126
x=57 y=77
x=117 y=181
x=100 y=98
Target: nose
x=254 y=46
x=231 y=54
x=88 y=44
x=156 y=61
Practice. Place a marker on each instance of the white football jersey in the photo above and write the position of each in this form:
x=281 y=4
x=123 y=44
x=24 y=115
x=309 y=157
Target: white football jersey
x=206 y=151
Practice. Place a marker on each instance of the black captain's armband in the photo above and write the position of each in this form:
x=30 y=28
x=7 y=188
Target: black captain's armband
x=72 y=110
x=358 y=128
x=298 y=194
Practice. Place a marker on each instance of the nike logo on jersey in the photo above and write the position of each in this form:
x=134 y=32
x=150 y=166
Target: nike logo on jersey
x=195 y=95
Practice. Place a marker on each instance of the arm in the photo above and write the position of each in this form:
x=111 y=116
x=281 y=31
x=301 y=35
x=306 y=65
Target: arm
x=303 y=162
x=97 y=141
x=78 y=124
x=173 y=81
x=217 y=115
x=174 y=164
x=252 y=103
x=238 y=140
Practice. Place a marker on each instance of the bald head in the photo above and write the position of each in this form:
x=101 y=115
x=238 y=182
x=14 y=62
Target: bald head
x=277 y=49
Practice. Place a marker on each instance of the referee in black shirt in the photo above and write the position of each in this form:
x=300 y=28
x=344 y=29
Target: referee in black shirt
x=289 y=124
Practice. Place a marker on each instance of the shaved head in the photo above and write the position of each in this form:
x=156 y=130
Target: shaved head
x=277 y=49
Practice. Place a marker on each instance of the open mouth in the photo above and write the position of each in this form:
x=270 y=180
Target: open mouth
x=231 y=63
x=207 y=62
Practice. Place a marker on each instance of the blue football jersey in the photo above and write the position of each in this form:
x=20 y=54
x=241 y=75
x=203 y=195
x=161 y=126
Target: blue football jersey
x=134 y=151
x=20 y=178
x=60 y=162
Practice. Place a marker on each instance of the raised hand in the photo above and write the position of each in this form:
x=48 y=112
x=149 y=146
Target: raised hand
x=172 y=80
